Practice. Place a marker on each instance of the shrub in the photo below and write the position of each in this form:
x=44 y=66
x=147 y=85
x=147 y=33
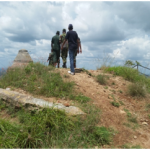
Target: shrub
x=137 y=89
x=102 y=79
x=116 y=104
x=102 y=135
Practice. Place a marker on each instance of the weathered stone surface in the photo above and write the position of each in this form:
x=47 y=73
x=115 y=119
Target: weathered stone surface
x=144 y=123
x=22 y=59
x=15 y=98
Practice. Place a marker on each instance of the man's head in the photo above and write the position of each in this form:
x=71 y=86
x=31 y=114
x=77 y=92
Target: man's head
x=57 y=32
x=70 y=27
x=64 y=30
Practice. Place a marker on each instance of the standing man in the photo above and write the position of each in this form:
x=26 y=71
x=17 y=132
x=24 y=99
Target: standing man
x=64 y=51
x=72 y=38
x=55 y=45
x=77 y=51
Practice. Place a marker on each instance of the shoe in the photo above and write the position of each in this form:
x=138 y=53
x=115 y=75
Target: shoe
x=71 y=72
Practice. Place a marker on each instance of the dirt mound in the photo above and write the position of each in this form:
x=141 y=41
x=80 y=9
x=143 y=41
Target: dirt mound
x=130 y=120
x=128 y=131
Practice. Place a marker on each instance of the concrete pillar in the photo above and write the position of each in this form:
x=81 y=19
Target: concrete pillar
x=22 y=59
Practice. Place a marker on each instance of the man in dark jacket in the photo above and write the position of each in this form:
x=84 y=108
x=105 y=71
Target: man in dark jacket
x=55 y=45
x=72 y=38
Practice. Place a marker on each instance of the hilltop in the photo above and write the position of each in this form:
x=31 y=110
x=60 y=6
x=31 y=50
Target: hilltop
x=124 y=116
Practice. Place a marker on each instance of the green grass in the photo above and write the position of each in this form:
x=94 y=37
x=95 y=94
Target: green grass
x=136 y=90
x=102 y=79
x=36 y=75
x=127 y=146
x=141 y=84
x=126 y=72
x=86 y=71
x=131 y=117
x=51 y=128
x=116 y=104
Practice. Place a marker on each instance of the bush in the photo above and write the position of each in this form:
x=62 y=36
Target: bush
x=137 y=90
x=102 y=79
x=102 y=135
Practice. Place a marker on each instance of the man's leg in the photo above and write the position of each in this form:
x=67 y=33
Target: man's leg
x=75 y=58
x=64 y=56
x=58 y=58
x=71 y=55
x=54 y=58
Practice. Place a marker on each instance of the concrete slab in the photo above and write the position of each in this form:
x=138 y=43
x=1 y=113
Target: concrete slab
x=15 y=98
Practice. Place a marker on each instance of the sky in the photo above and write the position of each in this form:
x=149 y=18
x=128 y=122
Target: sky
x=111 y=32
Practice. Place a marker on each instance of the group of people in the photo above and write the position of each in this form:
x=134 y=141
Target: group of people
x=60 y=45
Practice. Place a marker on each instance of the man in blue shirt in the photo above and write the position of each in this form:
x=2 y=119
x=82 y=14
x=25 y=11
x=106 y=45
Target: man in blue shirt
x=72 y=38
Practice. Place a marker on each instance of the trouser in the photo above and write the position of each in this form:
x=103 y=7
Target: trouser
x=56 y=55
x=64 y=54
x=75 y=58
x=71 y=56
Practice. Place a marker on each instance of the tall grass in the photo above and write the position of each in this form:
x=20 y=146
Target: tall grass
x=141 y=84
x=37 y=79
x=52 y=128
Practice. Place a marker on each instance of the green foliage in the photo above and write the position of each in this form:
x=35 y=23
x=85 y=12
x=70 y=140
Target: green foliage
x=141 y=83
x=86 y=71
x=121 y=103
x=120 y=91
x=127 y=146
x=51 y=128
x=28 y=69
x=102 y=135
x=102 y=79
x=126 y=72
x=116 y=104
x=137 y=89
x=81 y=98
x=131 y=118
x=106 y=87
x=37 y=75
x=113 y=83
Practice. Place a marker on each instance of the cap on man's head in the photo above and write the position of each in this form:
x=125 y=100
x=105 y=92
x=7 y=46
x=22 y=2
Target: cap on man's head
x=58 y=32
x=70 y=26
x=64 y=30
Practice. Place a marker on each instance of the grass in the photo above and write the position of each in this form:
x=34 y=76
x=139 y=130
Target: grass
x=141 y=84
x=102 y=79
x=136 y=90
x=114 y=103
x=131 y=118
x=86 y=71
x=80 y=98
x=38 y=79
x=50 y=128
x=127 y=146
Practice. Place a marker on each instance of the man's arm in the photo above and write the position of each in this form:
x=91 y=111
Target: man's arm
x=80 y=47
x=63 y=44
x=52 y=43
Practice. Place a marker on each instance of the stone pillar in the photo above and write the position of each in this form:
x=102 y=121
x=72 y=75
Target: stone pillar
x=22 y=59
